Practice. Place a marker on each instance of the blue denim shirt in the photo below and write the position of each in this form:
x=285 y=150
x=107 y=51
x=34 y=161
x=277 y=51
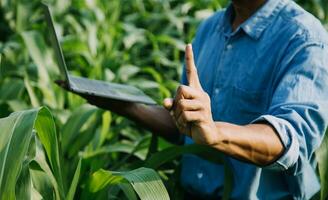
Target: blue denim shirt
x=273 y=68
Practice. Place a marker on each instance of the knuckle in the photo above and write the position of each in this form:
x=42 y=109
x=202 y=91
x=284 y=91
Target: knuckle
x=184 y=116
x=178 y=89
x=183 y=88
x=180 y=106
x=201 y=107
x=182 y=103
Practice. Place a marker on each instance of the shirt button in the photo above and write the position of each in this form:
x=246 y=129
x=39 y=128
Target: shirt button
x=199 y=175
x=229 y=46
x=217 y=90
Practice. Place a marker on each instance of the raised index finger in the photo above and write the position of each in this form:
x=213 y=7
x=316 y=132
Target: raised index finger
x=191 y=70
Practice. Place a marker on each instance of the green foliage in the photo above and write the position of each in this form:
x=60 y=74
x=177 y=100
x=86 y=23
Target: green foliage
x=207 y=153
x=317 y=7
x=138 y=42
x=144 y=181
x=41 y=165
x=17 y=149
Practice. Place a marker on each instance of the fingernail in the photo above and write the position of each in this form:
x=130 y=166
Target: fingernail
x=168 y=102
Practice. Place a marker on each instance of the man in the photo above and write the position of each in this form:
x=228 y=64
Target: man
x=256 y=88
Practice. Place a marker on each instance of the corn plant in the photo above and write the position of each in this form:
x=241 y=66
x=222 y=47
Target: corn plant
x=32 y=164
x=71 y=150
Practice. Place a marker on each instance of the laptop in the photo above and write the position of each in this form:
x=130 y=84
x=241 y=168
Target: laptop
x=87 y=86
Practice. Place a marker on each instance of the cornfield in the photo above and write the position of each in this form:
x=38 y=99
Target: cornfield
x=53 y=144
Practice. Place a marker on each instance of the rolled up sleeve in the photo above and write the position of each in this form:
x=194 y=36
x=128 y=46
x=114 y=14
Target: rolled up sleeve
x=299 y=104
x=288 y=137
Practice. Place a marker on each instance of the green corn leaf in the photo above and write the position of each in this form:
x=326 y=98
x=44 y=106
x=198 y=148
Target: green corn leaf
x=120 y=147
x=75 y=181
x=38 y=51
x=35 y=195
x=14 y=142
x=127 y=71
x=23 y=13
x=71 y=129
x=15 y=139
x=133 y=149
x=144 y=181
x=24 y=187
x=171 y=153
x=24 y=184
x=102 y=178
x=46 y=132
x=41 y=56
x=128 y=191
x=106 y=121
x=43 y=182
x=207 y=153
x=17 y=105
x=11 y=90
x=33 y=98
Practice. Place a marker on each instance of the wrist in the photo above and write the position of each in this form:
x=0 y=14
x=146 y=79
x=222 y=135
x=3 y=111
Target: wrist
x=217 y=135
x=208 y=135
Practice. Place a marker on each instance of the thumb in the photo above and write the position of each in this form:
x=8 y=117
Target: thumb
x=191 y=69
x=168 y=103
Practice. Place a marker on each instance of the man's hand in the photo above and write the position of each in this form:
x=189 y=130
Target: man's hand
x=191 y=111
x=191 y=107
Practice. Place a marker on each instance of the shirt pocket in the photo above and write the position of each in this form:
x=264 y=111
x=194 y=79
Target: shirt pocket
x=253 y=76
x=245 y=106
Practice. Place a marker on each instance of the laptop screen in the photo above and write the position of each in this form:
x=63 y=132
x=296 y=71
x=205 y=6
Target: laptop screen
x=55 y=43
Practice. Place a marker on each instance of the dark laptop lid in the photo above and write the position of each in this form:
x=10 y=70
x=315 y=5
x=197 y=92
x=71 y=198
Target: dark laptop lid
x=55 y=43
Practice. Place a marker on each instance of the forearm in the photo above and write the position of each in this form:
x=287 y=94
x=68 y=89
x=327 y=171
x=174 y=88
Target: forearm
x=255 y=143
x=155 y=119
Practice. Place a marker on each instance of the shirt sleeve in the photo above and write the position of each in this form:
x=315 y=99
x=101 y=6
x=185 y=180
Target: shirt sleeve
x=299 y=104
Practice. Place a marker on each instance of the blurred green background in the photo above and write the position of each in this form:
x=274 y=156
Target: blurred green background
x=137 y=42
